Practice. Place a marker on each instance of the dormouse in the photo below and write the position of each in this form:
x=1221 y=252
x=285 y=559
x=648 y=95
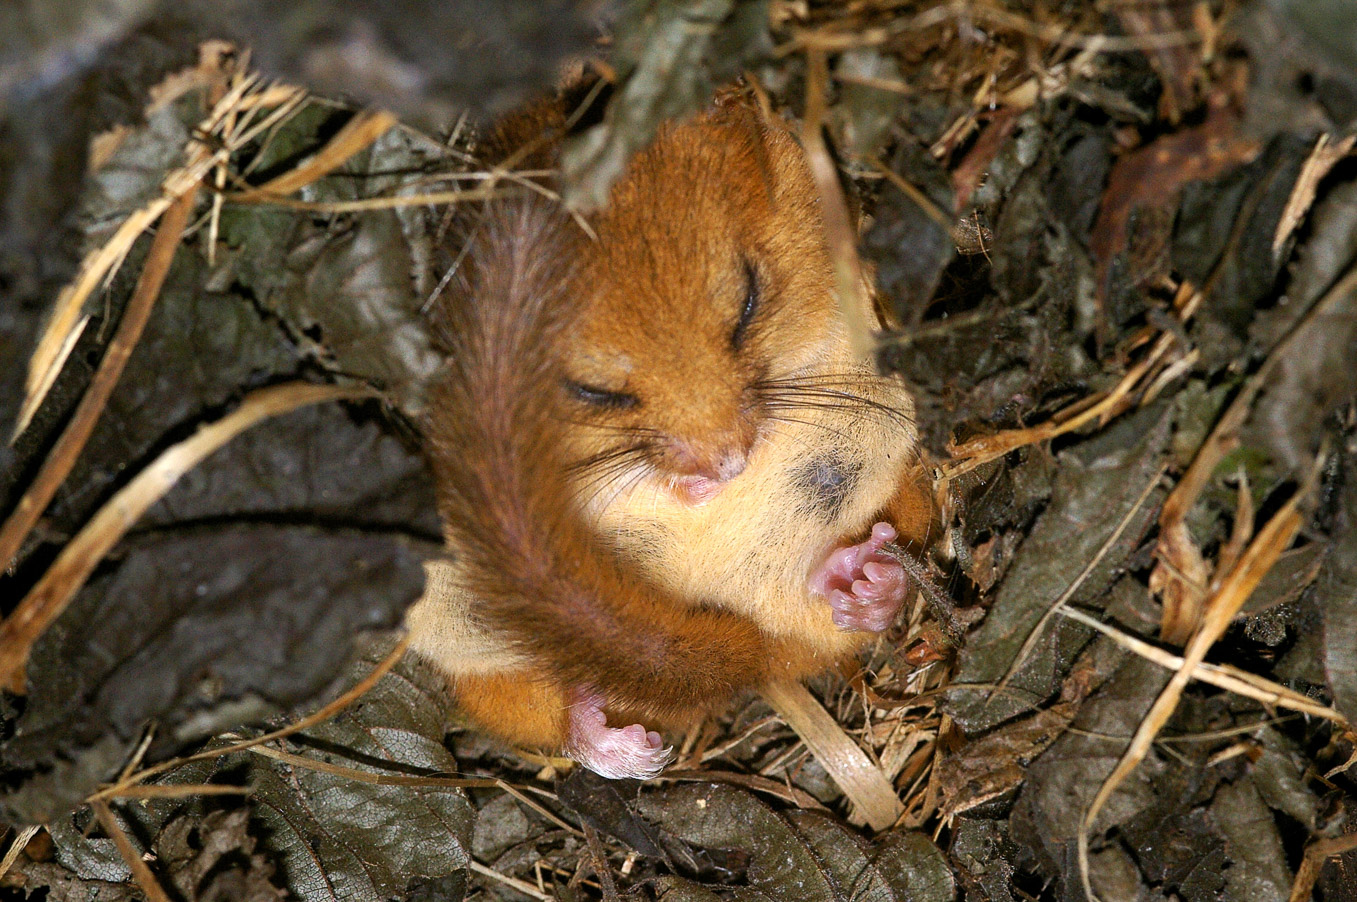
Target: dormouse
x=664 y=475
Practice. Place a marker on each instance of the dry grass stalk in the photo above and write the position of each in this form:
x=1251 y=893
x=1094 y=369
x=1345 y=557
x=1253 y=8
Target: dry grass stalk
x=1316 y=853
x=365 y=776
x=368 y=204
x=141 y=872
x=979 y=451
x=514 y=883
x=68 y=318
x=357 y=134
x=1218 y=610
x=1059 y=606
x=73 y=566
x=1222 y=676
x=67 y=449
x=234 y=122
x=183 y=791
x=1326 y=154
x=22 y=837
x=864 y=784
x=849 y=283
x=232 y=119
x=1181 y=576
x=783 y=791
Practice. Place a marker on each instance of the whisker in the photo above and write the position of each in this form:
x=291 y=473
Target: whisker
x=811 y=424
x=824 y=393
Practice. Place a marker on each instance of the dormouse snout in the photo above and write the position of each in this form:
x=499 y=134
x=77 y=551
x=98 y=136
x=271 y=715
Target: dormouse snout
x=702 y=468
x=719 y=462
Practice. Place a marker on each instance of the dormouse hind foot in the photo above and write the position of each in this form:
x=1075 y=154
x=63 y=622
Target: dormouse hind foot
x=629 y=752
x=864 y=586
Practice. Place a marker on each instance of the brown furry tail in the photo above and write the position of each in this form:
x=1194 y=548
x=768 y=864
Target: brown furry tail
x=542 y=576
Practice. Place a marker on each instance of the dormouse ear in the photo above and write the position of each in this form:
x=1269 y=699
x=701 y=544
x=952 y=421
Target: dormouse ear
x=736 y=94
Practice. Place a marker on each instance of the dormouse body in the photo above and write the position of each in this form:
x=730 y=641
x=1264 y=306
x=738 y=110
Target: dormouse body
x=664 y=474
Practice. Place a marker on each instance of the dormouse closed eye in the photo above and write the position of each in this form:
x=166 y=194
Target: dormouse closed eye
x=601 y=398
x=753 y=294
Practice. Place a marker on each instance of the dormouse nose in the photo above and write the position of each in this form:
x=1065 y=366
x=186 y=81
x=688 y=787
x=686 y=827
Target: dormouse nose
x=719 y=458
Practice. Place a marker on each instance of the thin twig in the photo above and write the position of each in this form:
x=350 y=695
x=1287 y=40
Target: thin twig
x=942 y=607
x=348 y=698
x=598 y=861
x=140 y=870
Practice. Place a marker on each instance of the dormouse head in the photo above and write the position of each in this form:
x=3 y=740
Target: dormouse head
x=709 y=285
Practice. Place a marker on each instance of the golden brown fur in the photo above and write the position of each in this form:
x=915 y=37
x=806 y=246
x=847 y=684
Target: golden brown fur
x=637 y=477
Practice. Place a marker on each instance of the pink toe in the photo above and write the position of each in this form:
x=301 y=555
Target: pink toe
x=866 y=591
x=877 y=573
x=883 y=533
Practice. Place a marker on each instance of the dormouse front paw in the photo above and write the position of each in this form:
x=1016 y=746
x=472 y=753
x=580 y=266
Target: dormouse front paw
x=864 y=586
x=628 y=752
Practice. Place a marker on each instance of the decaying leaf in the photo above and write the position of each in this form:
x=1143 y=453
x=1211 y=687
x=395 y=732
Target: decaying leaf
x=335 y=837
x=214 y=859
x=198 y=631
x=1100 y=485
x=672 y=55
x=801 y=854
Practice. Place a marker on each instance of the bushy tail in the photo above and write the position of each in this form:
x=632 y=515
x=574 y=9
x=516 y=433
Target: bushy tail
x=542 y=577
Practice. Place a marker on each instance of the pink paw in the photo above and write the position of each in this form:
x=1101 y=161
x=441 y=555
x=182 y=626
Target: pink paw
x=609 y=752
x=863 y=585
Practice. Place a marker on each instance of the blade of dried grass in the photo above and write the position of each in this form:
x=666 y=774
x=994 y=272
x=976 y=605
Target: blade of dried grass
x=365 y=776
x=183 y=791
x=141 y=872
x=1316 y=853
x=356 y=135
x=848 y=766
x=753 y=782
x=364 y=204
x=521 y=886
x=1179 y=558
x=54 y=590
x=22 y=836
x=67 y=319
x=979 y=451
x=1219 y=610
x=989 y=16
x=63 y=455
x=1222 y=676
x=849 y=285
x=908 y=189
x=1323 y=157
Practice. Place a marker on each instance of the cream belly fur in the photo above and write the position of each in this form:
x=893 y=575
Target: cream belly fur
x=820 y=476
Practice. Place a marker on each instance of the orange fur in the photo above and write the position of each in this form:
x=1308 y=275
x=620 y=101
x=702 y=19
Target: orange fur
x=621 y=448
x=527 y=706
